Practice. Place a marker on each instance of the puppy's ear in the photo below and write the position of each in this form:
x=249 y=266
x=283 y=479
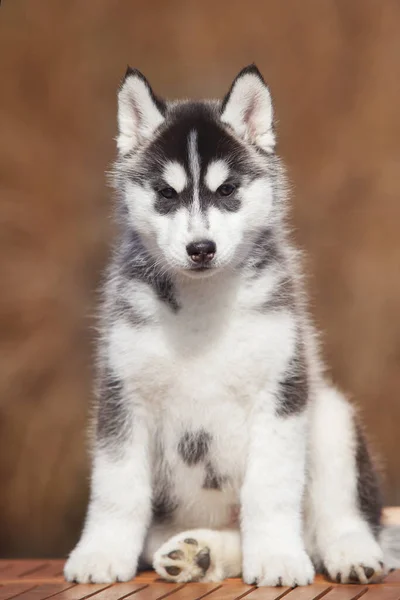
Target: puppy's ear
x=140 y=112
x=247 y=108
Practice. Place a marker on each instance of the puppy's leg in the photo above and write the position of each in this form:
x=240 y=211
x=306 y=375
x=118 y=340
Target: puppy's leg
x=120 y=503
x=200 y=555
x=271 y=515
x=344 y=498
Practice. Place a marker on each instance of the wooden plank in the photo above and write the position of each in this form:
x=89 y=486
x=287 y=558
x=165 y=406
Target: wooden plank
x=46 y=590
x=382 y=592
x=155 y=591
x=18 y=568
x=194 y=591
x=322 y=580
x=118 y=591
x=14 y=589
x=51 y=570
x=268 y=593
x=42 y=580
x=147 y=576
x=393 y=577
x=308 y=592
x=231 y=590
x=79 y=592
x=346 y=592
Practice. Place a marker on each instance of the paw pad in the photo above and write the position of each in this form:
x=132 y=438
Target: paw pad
x=183 y=560
x=173 y=570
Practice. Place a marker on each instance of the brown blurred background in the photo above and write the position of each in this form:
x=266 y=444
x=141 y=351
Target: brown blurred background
x=333 y=67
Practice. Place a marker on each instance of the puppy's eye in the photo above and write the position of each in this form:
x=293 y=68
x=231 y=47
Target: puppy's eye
x=168 y=193
x=226 y=189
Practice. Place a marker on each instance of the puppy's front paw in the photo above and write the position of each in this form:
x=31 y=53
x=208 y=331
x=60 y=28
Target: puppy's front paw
x=267 y=568
x=101 y=565
x=354 y=558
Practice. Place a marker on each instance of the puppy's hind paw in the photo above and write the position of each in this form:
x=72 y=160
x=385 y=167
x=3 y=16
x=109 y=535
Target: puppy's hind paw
x=187 y=557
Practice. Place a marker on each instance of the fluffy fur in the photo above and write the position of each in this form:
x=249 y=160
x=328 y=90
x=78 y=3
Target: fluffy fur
x=220 y=447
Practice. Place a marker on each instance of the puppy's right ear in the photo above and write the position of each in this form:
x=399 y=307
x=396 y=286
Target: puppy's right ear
x=140 y=112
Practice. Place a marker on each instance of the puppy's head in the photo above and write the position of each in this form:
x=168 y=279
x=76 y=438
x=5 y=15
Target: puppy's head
x=198 y=179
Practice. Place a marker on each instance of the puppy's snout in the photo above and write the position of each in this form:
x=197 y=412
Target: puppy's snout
x=201 y=252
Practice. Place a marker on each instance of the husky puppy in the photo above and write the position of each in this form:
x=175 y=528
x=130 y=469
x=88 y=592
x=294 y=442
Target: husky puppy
x=220 y=447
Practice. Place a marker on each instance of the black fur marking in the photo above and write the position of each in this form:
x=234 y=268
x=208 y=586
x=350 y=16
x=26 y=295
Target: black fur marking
x=294 y=388
x=165 y=206
x=193 y=447
x=137 y=263
x=213 y=143
x=266 y=251
x=281 y=297
x=369 y=493
x=164 y=505
x=113 y=419
x=164 y=501
x=127 y=311
x=212 y=481
x=191 y=541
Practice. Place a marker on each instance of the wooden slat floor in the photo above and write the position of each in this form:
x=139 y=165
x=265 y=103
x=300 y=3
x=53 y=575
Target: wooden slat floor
x=42 y=579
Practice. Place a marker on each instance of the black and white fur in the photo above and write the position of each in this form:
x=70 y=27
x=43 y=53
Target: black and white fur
x=220 y=448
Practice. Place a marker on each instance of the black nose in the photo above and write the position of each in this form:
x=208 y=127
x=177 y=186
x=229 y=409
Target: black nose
x=201 y=252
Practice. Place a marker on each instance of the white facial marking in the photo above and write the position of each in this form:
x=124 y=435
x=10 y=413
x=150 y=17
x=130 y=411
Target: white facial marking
x=175 y=176
x=194 y=166
x=217 y=173
x=140 y=199
x=257 y=197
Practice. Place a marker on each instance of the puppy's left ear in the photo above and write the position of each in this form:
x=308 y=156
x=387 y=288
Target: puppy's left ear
x=140 y=111
x=247 y=108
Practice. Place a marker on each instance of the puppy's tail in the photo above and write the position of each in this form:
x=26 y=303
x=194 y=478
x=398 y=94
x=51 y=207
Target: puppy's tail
x=390 y=543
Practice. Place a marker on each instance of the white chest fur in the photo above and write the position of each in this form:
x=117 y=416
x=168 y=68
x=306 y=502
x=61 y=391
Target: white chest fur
x=216 y=346
x=199 y=370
